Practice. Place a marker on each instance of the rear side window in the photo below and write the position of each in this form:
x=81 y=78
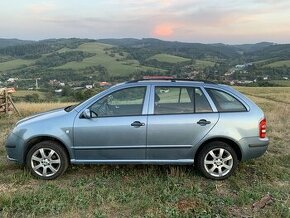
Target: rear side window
x=180 y=100
x=225 y=102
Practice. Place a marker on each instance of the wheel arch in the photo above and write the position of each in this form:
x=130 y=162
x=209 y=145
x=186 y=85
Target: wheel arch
x=230 y=142
x=33 y=141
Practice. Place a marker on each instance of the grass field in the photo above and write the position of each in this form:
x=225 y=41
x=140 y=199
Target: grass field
x=116 y=65
x=278 y=64
x=200 y=64
x=281 y=82
x=156 y=191
x=23 y=93
x=14 y=64
x=101 y=58
x=203 y=63
x=169 y=58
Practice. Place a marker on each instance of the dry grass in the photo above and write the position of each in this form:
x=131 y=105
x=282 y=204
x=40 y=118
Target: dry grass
x=32 y=108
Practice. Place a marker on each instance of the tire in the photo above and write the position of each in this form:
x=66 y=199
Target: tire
x=47 y=160
x=217 y=160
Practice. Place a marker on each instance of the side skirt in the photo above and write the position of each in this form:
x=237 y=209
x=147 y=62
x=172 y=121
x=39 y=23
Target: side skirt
x=158 y=162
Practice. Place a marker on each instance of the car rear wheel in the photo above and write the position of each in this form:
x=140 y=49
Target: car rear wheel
x=217 y=160
x=47 y=160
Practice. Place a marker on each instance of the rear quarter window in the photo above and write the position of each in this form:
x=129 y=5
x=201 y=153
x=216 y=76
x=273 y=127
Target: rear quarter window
x=225 y=102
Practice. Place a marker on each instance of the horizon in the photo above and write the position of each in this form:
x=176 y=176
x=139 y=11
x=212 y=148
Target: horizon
x=144 y=38
x=208 y=22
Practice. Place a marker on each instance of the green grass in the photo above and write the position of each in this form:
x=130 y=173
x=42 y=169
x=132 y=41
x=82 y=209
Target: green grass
x=157 y=191
x=204 y=63
x=169 y=58
x=116 y=65
x=278 y=64
x=199 y=64
x=15 y=64
x=23 y=93
x=120 y=68
x=281 y=82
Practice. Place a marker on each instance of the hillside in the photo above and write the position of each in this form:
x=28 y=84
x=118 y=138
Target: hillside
x=253 y=47
x=12 y=42
x=81 y=61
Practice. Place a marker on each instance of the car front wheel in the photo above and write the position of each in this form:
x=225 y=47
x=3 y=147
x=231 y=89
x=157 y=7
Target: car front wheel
x=47 y=160
x=217 y=160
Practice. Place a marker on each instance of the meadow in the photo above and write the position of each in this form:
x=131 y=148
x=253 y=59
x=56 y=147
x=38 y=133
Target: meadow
x=111 y=63
x=156 y=191
x=279 y=64
x=14 y=64
x=169 y=58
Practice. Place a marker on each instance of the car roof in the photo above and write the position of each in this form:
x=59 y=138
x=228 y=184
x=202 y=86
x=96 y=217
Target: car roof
x=170 y=81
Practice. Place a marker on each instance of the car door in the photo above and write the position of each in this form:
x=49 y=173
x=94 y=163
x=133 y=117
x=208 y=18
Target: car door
x=180 y=117
x=116 y=130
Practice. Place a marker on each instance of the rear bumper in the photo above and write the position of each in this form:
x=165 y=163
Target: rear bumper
x=253 y=147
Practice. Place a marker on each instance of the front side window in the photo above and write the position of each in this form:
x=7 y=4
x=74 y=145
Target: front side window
x=225 y=102
x=125 y=102
x=180 y=100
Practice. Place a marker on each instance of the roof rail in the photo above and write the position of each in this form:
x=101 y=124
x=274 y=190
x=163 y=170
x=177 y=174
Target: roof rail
x=172 y=80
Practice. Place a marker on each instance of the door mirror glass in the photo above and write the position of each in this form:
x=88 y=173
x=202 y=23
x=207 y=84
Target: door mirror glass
x=87 y=114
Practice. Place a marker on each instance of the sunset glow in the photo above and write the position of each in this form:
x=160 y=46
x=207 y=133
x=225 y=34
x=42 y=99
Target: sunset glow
x=163 y=30
x=207 y=21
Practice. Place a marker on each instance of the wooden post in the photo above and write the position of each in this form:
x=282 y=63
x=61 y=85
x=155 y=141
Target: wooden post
x=6 y=101
x=15 y=108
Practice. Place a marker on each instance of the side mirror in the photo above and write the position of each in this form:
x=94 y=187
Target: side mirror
x=87 y=114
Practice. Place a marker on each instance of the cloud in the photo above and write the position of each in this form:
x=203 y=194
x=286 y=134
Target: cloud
x=187 y=20
x=41 y=8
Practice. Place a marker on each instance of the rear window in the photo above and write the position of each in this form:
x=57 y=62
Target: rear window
x=225 y=102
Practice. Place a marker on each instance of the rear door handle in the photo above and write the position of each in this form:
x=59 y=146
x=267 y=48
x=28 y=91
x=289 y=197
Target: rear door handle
x=203 y=122
x=137 y=124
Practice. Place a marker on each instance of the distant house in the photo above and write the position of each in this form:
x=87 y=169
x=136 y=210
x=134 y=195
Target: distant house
x=240 y=66
x=12 y=80
x=77 y=88
x=89 y=86
x=55 y=82
x=58 y=91
x=105 y=84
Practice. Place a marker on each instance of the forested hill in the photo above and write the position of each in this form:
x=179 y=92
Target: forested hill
x=83 y=60
x=149 y=47
x=12 y=42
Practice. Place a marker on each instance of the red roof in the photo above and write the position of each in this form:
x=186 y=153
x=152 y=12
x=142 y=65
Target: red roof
x=158 y=77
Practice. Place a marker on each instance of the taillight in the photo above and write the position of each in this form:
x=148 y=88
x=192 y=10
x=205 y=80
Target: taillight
x=262 y=128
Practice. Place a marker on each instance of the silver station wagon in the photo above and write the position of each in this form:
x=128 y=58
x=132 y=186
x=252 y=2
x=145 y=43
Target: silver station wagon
x=173 y=121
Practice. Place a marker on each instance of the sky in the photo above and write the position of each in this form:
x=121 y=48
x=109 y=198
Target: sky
x=205 y=21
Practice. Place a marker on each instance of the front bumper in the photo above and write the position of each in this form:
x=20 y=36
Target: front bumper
x=253 y=147
x=13 y=148
x=10 y=158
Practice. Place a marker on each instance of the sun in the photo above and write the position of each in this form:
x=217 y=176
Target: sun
x=163 y=30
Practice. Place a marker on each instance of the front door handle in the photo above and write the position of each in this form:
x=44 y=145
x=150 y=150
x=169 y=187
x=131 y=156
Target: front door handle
x=137 y=124
x=203 y=122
